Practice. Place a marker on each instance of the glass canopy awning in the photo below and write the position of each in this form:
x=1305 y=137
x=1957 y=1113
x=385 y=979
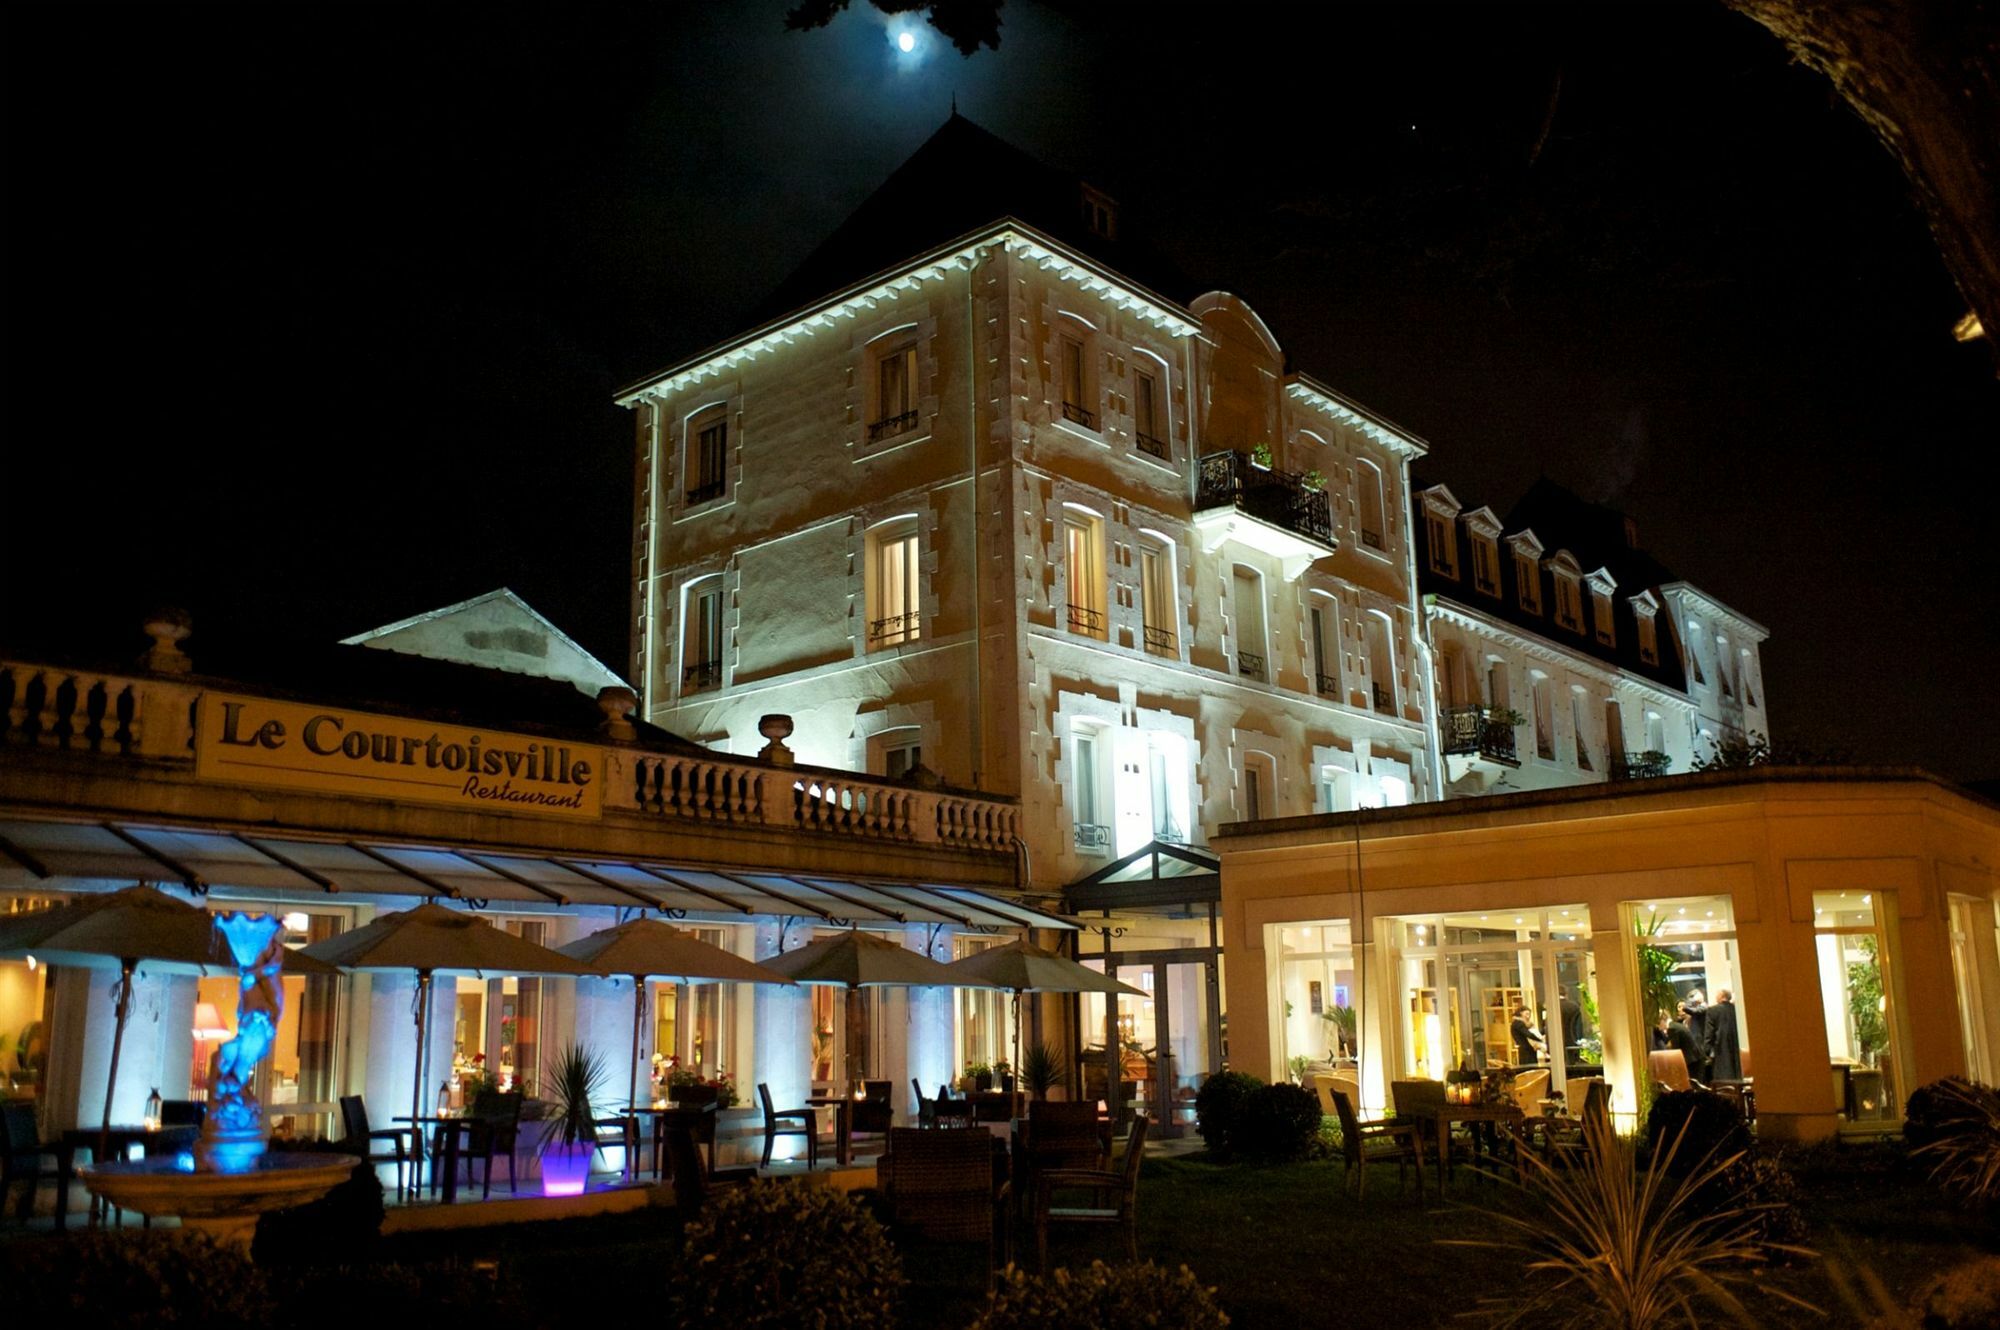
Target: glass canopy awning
x=42 y=853
x=1159 y=873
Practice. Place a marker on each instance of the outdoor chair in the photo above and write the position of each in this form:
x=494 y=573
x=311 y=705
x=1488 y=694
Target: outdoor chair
x=496 y=1126
x=1365 y=1143
x=872 y=1113
x=1669 y=1069
x=22 y=1151
x=926 y=1108
x=951 y=1110
x=361 y=1138
x=1419 y=1101
x=788 y=1122
x=1569 y=1143
x=1060 y=1135
x=620 y=1131
x=1328 y=1084
x=1120 y=1188
x=1529 y=1089
x=939 y=1186
x=692 y=1182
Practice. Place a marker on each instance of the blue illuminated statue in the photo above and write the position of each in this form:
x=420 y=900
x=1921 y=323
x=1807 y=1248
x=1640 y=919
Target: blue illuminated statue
x=233 y=1134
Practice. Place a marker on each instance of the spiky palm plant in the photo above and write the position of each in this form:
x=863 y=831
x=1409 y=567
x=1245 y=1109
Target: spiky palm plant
x=1614 y=1245
x=1041 y=1068
x=574 y=1084
x=1964 y=1152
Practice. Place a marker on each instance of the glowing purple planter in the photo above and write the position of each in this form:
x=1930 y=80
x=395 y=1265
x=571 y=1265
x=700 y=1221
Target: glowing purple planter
x=565 y=1168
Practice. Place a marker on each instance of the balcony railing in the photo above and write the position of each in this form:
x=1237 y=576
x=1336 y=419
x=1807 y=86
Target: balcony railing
x=1372 y=539
x=1092 y=836
x=1161 y=642
x=1328 y=685
x=1639 y=766
x=1083 y=619
x=1249 y=664
x=1152 y=447
x=1079 y=415
x=895 y=628
x=1384 y=702
x=1479 y=732
x=890 y=426
x=1278 y=498
x=702 y=493
x=701 y=674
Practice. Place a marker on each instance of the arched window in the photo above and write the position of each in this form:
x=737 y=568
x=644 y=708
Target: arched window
x=1247 y=604
x=1369 y=503
x=1159 y=609
x=1083 y=568
x=894 y=615
x=1381 y=663
x=1257 y=790
x=1324 y=625
x=1076 y=372
x=705 y=453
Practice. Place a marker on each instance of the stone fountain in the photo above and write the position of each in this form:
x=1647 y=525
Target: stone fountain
x=232 y=1176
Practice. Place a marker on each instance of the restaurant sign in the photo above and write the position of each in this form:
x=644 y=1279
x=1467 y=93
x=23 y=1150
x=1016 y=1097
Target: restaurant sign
x=286 y=745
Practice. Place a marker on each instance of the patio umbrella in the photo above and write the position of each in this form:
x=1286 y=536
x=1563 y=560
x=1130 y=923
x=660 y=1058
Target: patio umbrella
x=646 y=948
x=1022 y=967
x=430 y=938
x=122 y=930
x=855 y=960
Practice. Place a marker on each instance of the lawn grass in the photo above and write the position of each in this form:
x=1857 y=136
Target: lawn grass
x=1283 y=1247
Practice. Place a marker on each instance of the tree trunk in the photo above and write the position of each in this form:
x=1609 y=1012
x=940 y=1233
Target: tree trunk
x=1925 y=76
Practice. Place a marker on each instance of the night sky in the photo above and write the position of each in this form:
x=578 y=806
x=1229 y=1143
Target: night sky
x=316 y=313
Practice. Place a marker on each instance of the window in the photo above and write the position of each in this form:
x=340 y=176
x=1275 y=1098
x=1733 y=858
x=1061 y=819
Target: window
x=1148 y=434
x=1722 y=663
x=708 y=455
x=1545 y=725
x=895 y=388
x=1091 y=814
x=1486 y=565
x=1336 y=790
x=1247 y=603
x=701 y=636
x=1259 y=784
x=1569 y=603
x=1649 y=639
x=1499 y=694
x=1325 y=626
x=1100 y=213
x=1601 y=606
x=1744 y=669
x=1442 y=543
x=1083 y=539
x=1656 y=733
x=1614 y=733
x=1694 y=651
x=1369 y=503
x=899 y=759
x=1166 y=769
x=1075 y=371
x=1858 y=1000
x=893 y=614
x=1579 y=724
x=1381 y=663
x=1528 y=576
x=1158 y=613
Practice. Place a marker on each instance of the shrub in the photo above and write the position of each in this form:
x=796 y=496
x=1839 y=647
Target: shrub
x=1768 y=1195
x=1924 y=1113
x=339 y=1228
x=1104 y=1297
x=1709 y=1127
x=114 y=1280
x=340 y=1297
x=1962 y=1126
x=1962 y=1299
x=1277 y=1124
x=1218 y=1105
x=785 y=1254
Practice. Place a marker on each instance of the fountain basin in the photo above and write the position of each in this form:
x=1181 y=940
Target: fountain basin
x=225 y=1205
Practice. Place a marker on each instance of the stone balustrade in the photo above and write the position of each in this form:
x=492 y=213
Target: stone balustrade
x=51 y=707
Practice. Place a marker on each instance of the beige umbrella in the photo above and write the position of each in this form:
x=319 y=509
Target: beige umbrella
x=647 y=948
x=124 y=929
x=430 y=938
x=1022 y=967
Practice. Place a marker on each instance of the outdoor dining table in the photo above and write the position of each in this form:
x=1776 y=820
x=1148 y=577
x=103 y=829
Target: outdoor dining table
x=698 y=1119
x=843 y=1108
x=450 y=1126
x=118 y=1142
x=1506 y=1115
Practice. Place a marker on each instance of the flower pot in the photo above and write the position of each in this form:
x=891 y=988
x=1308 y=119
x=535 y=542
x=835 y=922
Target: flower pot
x=566 y=1167
x=982 y=1080
x=693 y=1094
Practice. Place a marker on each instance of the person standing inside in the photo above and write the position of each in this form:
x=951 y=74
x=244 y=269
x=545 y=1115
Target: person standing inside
x=1572 y=1022
x=1681 y=1039
x=1527 y=1039
x=1725 y=1038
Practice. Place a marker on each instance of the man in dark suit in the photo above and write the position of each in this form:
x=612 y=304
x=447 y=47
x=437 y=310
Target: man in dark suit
x=1679 y=1037
x=1572 y=1021
x=1725 y=1039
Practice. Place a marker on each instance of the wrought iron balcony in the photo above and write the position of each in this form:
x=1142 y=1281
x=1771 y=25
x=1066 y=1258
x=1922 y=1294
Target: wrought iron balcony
x=1083 y=619
x=1161 y=642
x=702 y=674
x=1249 y=664
x=1372 y=539
x=702 y=493
x=1092 y=836
x=895 y=628
x=1079 y=415
x=1152 y=447
x=1639 y=766
x=1280 y=499
x=1480 y=732
x=1328 y=685
x=890 y=426
x=1384 y=702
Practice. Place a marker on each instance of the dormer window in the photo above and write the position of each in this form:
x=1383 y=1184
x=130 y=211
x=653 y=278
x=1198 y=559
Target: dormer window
x=1485 y=565
x=1528 y=576
x=1649 y=638
x=1100 y=213
x=1601 y=587
x=1569 y=603
x=1442 y=543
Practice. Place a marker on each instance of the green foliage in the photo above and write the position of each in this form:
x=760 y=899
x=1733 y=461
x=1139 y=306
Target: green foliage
x=1960 y=1135
x=1313 y=478
x=1042 y=1068
x=1278 y=1124
x=343 y=1226
x=1864 y=1003
x=1610 y=1244
x=573 y=1086
x=1342 y=1020
x=1768 y=1194
x=1754 y=750
x=1218 y=1105
x=1104 y=1297
x=124 y=1280
x=1656 y=971
x=786 y=1254
x=1297 y=1064
x=1261 y=454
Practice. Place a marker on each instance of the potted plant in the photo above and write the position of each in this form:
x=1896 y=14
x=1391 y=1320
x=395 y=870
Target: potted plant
x=978 y=1076
x=1260 y=456
x=573 y=1086
x=1003 y=1072
x=1041 y=1068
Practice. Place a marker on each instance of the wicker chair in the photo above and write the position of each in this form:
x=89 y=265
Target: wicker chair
x=939 y=1185
x=926 y=1108
x=361 y=1138
x=1119 y=1187
x=1365 y=1143
x=950 y=1110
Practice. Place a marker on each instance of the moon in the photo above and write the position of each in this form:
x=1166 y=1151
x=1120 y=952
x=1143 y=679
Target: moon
x=906 y=41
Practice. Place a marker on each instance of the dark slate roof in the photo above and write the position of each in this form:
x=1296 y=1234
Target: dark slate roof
x=963 y=179
x=1596 y=537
